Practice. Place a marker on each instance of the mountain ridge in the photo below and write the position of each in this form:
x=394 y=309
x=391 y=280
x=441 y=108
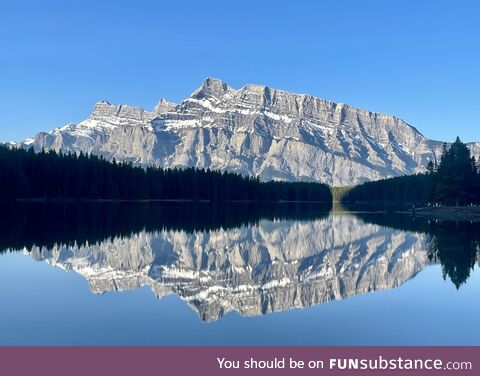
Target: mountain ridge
x=255 y=130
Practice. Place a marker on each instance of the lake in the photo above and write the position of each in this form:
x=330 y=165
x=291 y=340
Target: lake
x=234 y=274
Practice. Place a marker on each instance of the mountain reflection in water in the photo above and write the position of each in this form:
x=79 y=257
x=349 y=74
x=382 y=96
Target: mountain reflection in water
x=252 y=259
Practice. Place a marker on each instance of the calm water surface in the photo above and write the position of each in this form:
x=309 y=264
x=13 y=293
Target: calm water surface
x=183 y=274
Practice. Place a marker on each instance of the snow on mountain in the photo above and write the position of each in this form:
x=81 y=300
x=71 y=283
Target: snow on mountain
x=254 y=130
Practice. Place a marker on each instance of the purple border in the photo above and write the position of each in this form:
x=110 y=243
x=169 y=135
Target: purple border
x=202 y=361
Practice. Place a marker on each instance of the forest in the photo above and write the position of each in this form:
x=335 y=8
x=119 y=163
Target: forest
x=25 y=174
x=455 y=180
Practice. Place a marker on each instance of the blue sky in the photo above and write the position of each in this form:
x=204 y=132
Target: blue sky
x=418 y=60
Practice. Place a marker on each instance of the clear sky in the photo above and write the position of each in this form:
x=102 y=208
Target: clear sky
x=418 y=60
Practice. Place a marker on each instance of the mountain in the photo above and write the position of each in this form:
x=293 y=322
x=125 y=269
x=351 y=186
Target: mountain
x=255 y=130
x=254 y=270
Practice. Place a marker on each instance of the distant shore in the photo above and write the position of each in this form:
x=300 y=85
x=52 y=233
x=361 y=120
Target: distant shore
x=48 y=200
x=456 y=213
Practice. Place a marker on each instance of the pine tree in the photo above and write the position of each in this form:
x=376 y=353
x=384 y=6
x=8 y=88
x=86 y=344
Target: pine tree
x=24 y=174
x=457 y=175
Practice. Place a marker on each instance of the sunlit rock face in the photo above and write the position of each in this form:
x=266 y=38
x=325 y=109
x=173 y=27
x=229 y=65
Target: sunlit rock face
x=272 y=266
x=256 y=131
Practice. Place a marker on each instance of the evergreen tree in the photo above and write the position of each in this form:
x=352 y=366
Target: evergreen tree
x=49 y=175
x=455 y=181
x=457 y=175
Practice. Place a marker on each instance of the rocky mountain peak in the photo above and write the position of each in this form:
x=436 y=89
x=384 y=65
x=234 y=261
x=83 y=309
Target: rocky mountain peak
x=212 y=87
x=255 y=130
x=164 y=106
x=103 y=108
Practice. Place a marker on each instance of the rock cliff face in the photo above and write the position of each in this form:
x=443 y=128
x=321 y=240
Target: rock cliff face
x=252 y=270
x=255 y=130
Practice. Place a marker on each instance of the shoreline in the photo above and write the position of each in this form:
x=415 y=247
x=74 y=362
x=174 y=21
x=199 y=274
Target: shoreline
x=200 y=201
x=463 y=213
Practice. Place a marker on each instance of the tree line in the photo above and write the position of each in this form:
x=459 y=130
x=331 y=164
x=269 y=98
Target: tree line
x=455 y=180
x=25 y=174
